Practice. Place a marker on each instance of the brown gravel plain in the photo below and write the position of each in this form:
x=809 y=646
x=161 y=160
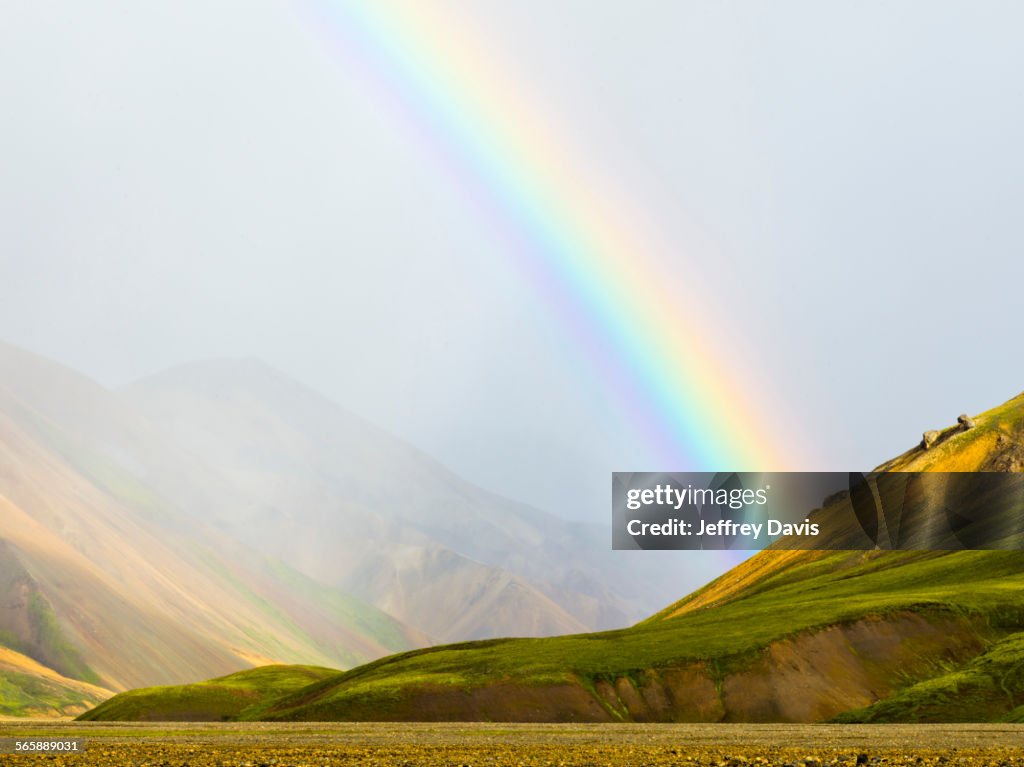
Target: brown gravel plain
x=498 y=745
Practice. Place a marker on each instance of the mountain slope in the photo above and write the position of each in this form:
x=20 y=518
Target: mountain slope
x=28 y=688
x=353 y=506
x=996 y=443
x=785 y=636
x=106 y=581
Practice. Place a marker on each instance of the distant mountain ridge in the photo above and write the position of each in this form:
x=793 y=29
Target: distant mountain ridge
x=382 y=519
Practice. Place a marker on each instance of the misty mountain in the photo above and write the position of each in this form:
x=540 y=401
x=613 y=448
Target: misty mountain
x=103 y=579
x=221 y=515
x=354 y=506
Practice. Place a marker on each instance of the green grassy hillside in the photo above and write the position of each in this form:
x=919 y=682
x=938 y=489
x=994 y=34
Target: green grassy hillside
x=989 y=687
x=29 y=688
x=224 y=698
x=786 y=636
x=718 y=645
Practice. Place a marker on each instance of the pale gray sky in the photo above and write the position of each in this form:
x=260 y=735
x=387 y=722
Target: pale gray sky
x=181 y=180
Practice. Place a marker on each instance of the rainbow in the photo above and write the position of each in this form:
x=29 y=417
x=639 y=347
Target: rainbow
x=577 y=248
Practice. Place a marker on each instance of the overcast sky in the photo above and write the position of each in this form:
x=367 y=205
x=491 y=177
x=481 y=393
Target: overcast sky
x=181 y=180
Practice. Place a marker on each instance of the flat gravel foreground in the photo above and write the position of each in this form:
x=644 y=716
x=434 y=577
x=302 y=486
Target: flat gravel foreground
x=521 y=745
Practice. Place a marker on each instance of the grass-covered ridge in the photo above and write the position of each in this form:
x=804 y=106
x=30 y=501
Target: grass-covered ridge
x=222 y=699
x=835 y=589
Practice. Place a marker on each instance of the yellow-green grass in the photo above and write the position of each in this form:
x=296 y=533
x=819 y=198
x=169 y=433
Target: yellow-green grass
x=222 y=699
x=23 y=694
